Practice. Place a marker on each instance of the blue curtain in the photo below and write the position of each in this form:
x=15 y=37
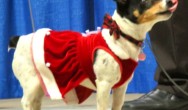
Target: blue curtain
x=77 y=15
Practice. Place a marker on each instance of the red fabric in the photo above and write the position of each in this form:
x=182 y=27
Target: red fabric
x=71 y=58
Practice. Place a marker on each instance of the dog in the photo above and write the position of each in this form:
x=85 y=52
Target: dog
x=70 y=66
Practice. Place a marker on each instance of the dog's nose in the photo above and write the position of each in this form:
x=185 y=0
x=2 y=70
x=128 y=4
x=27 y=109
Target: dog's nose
x=169 y=3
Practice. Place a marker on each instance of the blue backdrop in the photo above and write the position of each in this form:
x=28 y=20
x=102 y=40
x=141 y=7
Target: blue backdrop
x=77 y=15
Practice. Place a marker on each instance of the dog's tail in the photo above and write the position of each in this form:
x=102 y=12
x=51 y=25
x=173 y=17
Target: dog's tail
x=13 y=42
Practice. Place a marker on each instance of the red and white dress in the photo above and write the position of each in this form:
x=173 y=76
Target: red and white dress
x=64 y=63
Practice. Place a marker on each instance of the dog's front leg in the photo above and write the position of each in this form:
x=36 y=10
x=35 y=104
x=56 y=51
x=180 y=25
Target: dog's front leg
x=103 y=93
x=107 y=73
x=119 y=95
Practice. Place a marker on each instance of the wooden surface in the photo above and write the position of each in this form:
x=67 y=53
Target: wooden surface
x=90 y=104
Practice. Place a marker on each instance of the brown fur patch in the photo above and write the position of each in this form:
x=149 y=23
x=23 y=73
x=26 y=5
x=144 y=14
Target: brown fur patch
x=150 y=14
x=136 y=13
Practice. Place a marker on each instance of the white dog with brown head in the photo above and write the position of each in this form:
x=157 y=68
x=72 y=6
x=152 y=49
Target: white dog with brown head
x=110 y=56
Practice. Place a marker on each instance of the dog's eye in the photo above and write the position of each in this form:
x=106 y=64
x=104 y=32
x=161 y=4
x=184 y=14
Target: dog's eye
x=145 y=3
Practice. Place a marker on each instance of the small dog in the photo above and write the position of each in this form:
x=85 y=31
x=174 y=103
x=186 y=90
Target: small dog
x=68 y=65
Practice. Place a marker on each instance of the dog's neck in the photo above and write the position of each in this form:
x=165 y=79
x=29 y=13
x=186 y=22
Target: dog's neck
x=123 y=48
x=137 y=31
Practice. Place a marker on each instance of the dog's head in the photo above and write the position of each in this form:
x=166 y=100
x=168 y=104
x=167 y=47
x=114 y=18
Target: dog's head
x=142 y=11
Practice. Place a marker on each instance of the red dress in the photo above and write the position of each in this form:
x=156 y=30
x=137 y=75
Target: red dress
x=71 y=57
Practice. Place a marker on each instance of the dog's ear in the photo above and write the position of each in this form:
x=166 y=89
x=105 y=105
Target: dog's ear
x=121 y=1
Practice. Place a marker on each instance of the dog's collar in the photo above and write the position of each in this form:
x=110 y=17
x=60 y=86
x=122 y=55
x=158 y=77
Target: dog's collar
x=109 y=23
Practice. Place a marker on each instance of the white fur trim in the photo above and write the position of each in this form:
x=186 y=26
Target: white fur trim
x=45 y=73
x=123 y=54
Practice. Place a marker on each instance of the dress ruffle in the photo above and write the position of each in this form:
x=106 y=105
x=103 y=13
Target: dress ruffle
x=61 y=52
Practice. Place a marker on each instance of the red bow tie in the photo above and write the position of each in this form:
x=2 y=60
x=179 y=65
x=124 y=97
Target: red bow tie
x=109 y=23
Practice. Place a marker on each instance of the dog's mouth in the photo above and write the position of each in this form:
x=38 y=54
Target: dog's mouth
x=172 y=6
